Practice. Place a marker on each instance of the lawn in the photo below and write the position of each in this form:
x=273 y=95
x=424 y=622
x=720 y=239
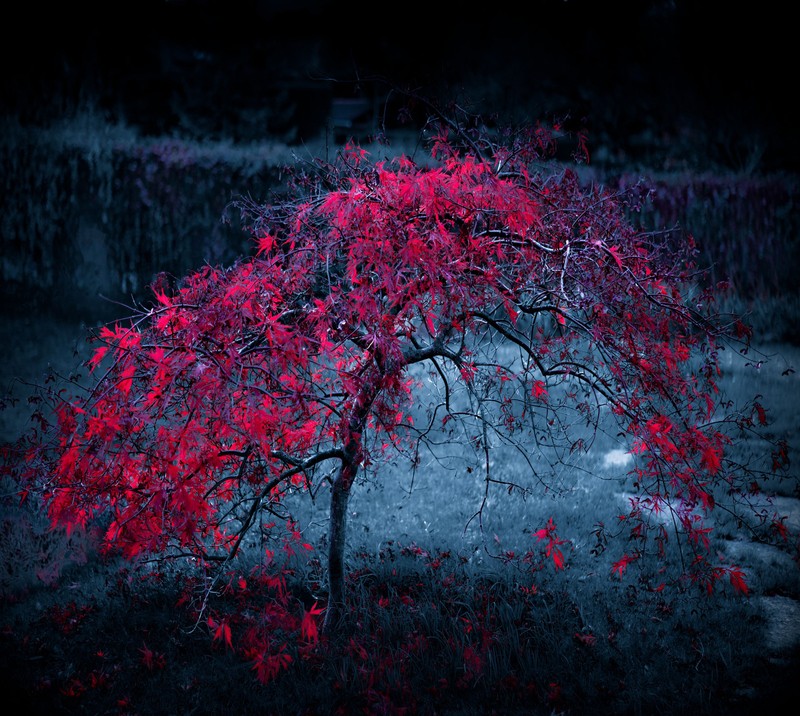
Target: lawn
x=445 y=619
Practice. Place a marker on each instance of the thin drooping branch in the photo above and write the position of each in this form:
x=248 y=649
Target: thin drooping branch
x=300 y=466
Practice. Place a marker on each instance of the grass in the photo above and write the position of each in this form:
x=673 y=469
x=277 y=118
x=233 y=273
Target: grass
x=438 y=624
x=458 y=639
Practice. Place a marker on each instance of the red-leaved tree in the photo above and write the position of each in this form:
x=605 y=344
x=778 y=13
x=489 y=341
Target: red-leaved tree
x=529 y=295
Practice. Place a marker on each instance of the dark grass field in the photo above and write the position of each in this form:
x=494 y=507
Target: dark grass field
x=439 y=625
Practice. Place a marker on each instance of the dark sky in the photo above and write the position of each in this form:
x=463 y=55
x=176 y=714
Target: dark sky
x=616 y=66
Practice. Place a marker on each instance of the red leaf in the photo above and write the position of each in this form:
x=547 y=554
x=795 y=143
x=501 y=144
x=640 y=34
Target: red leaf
x=614 y=251
x=222 y=632
x=429 y=323
x=737 y=577
x=97 y=357
x=539 y=390
x=711 y=459
x=265 y=244
x=587 y=639
x=308 y=626
x=621 y=565
x=762 y=415
x=126 y=379
x=558 y=558
x=268 y=666
x=152 y=659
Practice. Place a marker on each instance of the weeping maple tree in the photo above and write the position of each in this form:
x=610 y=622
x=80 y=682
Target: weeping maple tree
x=527 y=293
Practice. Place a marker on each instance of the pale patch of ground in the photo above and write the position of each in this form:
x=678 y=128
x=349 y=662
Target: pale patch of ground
x=783 y=622
x=616 y=458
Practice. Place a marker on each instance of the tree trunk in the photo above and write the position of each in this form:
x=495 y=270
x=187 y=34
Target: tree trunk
x=340 y=496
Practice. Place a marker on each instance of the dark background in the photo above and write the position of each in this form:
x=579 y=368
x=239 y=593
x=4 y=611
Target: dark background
x=672 y=83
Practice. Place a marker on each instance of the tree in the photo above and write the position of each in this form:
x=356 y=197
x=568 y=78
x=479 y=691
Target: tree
x=509 y=278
